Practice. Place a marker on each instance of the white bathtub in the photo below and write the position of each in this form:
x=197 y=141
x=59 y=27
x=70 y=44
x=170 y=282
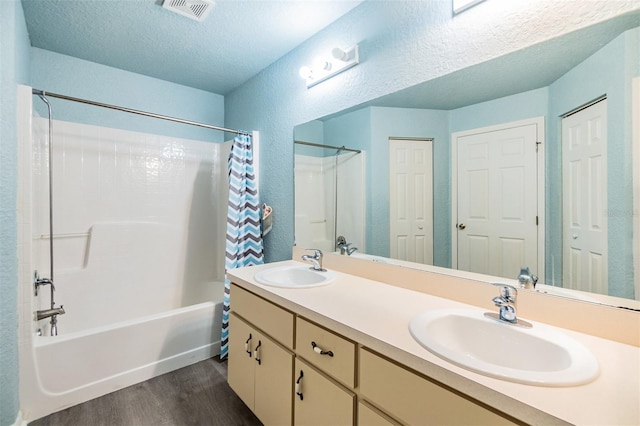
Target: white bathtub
x=80 y=366
x=130 y=316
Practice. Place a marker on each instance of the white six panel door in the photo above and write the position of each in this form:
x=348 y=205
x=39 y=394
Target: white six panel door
x=584 y=177
x=497 y=200
x=411 y=200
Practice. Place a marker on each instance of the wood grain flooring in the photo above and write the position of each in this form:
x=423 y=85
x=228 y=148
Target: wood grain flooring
x=191 y=396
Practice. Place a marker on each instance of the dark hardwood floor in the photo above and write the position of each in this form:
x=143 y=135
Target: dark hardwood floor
x=194 y=395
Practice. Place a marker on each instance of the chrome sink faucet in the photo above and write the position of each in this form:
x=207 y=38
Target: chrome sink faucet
x=506 y=301
x=526 y=278
x=344 y=246
x=346 y=249
x=316 y=260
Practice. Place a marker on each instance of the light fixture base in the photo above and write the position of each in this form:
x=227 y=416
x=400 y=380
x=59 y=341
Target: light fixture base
x=349 y=59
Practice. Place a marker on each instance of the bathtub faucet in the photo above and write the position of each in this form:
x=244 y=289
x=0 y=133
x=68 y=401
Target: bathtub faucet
x=46 y=313
x=53 y=314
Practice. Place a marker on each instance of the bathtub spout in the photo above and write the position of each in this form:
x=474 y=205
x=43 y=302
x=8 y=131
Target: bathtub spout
x=46 y=313
x=53 y=314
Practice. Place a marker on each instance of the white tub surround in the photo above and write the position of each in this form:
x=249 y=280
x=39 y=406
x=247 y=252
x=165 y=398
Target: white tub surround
x=376 y=316
x=138 y=241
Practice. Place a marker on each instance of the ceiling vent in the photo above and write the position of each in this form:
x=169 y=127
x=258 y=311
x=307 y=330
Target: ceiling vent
x=194 y=9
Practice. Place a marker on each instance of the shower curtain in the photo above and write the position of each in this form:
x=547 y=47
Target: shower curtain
x=244 y=236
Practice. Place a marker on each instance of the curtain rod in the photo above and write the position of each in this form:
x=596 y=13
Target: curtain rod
x=135 y=111
x=340 y=148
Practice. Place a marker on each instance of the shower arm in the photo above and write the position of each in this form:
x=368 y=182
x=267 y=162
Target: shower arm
x=50 y=163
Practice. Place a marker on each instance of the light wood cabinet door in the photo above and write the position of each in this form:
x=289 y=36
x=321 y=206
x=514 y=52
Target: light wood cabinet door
x=415 y=400
x=240 y=367
x=319 y=400
x=370 y=417
x=260 y=372
x=273 y=382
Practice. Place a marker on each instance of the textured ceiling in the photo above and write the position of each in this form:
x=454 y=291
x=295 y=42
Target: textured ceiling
x=237 y=40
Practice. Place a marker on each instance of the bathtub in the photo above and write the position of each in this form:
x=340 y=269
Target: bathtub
x=131 y=314
x=76 y=367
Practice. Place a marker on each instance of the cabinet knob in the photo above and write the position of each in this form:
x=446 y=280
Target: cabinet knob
x=299 y=385
x=320 y=351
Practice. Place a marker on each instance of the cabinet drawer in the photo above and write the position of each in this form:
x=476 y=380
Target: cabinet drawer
x=273 y=320
x=341 y=365
x=415 y=400
x=322 y=402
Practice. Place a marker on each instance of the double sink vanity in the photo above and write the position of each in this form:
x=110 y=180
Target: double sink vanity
x=365 y=343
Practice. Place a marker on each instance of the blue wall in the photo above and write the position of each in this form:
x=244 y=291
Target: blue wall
x=14 y=70
x=83 y=79
x=313 y=132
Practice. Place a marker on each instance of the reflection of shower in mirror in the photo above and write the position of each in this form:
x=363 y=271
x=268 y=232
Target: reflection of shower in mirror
x=329 y=196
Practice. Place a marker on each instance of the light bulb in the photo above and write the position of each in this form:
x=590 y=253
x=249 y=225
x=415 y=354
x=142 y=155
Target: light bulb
x=306 y=73
x=321 y=64
x=339 y=54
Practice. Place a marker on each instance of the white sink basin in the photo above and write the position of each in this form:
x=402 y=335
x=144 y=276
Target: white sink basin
x=541 y=355
x=294 y=277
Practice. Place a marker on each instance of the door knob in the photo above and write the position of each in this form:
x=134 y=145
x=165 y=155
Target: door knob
x=462 y=226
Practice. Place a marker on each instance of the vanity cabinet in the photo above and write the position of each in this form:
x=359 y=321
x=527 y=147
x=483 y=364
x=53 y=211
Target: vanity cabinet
x=290 y=370
x=260 y=368
x=414 y=399
x=319 y=400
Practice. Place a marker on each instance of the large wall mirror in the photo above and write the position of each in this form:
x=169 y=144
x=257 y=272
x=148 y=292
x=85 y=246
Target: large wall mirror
x=418 y=156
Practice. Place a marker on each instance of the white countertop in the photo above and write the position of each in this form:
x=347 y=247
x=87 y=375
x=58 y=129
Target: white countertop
x=377 y=315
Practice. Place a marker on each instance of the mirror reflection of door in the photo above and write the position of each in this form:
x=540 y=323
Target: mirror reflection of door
x=411 y=199
x=584 y=169
x=497 y=193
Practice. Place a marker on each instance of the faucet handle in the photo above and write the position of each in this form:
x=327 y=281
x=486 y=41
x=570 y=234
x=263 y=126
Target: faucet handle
x=508 y=293
x=317 y=253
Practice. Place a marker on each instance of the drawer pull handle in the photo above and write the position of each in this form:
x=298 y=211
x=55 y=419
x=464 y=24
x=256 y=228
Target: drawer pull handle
x=247 y=347
x=299 y=385
x=257 y=353
x=320 y=351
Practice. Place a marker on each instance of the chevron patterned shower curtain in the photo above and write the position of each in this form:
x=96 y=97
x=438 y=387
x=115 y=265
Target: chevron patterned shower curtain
x=244 y=237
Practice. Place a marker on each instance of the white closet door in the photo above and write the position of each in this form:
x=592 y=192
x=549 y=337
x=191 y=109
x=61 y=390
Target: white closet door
x=411 y=200
x=584 y=185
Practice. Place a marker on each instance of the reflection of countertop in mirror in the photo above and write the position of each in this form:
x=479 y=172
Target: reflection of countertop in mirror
x=377 y=316
x=540 y=288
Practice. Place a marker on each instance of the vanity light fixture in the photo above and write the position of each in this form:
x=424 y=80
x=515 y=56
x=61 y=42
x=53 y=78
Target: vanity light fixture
x=323 y=69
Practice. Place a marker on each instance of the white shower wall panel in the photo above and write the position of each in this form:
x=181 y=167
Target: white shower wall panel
x=318 y=211
x=313 y=207
x=351 y=198
x=137 y=221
